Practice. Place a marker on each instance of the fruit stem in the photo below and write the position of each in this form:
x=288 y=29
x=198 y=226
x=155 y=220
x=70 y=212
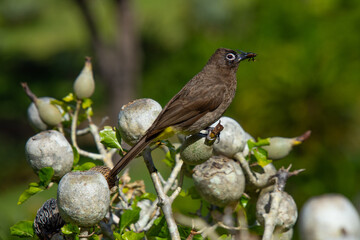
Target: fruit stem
x=28 y=92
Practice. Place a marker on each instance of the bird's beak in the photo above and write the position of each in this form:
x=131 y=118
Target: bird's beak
x=246 y=55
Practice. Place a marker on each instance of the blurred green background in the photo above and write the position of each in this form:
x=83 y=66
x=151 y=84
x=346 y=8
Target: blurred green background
x=306 y=76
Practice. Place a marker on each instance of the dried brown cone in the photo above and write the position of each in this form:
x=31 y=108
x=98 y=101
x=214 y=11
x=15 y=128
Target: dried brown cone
x=105 y=171
x=48 y=220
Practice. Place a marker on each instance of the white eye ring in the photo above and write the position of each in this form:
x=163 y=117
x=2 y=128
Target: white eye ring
x=230 y=57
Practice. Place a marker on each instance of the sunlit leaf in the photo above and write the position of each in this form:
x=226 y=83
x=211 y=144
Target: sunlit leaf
x=69 y=98
x=86 y=103
x=108 y=138
x=45 y=175
x=128 y=217
x=76 y=156
x=70 y=229
x=133 y=235
x=22 y=229
x=28 y=193
x=85 y=166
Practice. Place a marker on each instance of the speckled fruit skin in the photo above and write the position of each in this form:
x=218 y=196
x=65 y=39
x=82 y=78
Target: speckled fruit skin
x=50 y=149
x=219 y=180
x=83 y=198
x=232 y=138
x=287 y=214
x=136 y=117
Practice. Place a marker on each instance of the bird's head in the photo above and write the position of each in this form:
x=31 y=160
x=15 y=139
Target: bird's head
x=228 y=58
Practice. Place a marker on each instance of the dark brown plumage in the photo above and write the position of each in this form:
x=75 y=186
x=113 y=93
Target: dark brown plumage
x=201 y=102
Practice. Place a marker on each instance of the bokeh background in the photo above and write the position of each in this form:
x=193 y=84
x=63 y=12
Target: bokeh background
x=306 y=75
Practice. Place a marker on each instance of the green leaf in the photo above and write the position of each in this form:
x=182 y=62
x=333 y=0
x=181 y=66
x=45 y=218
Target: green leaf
x=225 y=237
x=76 y=156
x=68 y=229
x=85 y=166
x=117 y=236
x=86 y=103
x=193 y=193
x=170 y=155
x=128 y=217
x=158 y=229
x=94 y=237
x=45 y=175
x=147 y=195
x=89 y=112
x=244 y=201
x=132 y=235
x=259 y=143
x=261 y=157
x=108 y=138
x=69 y=98
x=22 y=229
x=28 y=193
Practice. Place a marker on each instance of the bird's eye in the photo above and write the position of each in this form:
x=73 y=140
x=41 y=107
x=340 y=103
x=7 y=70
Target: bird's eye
x=230 y=57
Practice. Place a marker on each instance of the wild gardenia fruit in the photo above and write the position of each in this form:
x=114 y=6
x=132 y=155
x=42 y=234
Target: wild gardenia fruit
x=136 y=117
x=330 y=216
x=280 y=147
x=286 y=215
x=83 y=198
x=50 y=149
x=84 y=84
x=48 y=112
x=195 y=150
x=232 y=138
x=34 y=117
x=219 y=180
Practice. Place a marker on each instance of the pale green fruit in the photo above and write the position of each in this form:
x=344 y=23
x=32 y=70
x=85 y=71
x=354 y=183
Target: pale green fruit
x=194 y=150
x=48 y=112
x=84 y=84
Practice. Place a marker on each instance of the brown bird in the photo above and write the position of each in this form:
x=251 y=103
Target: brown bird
x=201 y=102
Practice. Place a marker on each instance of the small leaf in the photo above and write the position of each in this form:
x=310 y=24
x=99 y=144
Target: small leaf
x=170 y=155
x=85 y=166
x=261 y=157
x=69 y=98
x=244 y=201
x=260 y=142
x=225 y=237
x=133 y=235
x=86 y=103
x=68 y=229
x=22 y=229
x=89 y=112
x=147 y=195
x=94 y=237
x=128 y=217
x=158 y=229
x=28 y=193
x=108 y=138
x=117 y=236
x=76 y=156
x=45 y=175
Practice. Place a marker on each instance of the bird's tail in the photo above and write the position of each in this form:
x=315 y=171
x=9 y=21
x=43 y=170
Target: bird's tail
x=130 y=155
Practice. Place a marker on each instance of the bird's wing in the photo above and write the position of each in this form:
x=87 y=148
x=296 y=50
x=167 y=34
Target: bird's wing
x=187 y=107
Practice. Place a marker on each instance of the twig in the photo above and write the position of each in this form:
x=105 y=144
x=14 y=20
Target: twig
x=28 y=92
x=143 y=224
x=164 y=200
x=255 y=178
x=106 y=155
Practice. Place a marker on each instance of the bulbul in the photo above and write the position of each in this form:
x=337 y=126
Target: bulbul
x=201 y=102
